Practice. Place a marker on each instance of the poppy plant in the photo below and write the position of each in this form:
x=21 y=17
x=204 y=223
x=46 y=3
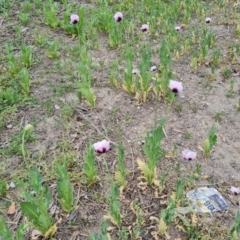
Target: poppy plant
x=118 y=17
x=189 y=155
x=175 y=86
x=102 y=147
x=74 y=19
x=145 y=28
x=235 y=190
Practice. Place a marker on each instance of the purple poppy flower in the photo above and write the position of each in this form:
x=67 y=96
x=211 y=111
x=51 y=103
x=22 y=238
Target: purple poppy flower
x=208 y=20
x=142 y=142
x=175 y=86
x=145 y=28
x=135 y=71
x=74 y=19
x=177 y=28
x=235 y=190
x=118 y=17
x=153 y=69
x=189 y=155
x=102 y=147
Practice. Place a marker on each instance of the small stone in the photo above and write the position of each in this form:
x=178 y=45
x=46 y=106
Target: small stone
x=212 y=158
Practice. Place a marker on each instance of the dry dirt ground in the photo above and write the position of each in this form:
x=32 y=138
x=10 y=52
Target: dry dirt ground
x=64 y=134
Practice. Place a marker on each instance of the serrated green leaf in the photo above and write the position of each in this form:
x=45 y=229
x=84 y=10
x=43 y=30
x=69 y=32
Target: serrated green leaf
x=20 y=232
x=30 y=210
x=62 y=171
x=65 y=191
x=36 y=180
x=44 y=222
x=5 y=233
x=120 y=179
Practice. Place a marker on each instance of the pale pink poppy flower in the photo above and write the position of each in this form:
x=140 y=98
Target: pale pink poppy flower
x=208 y=20
x=102 y=147
x=153 y=69
x=135 y=71
x=189 y=155
x=57 y=107
x=74 y=19
x=145 y=28
x=177 y=28
x=235 y=190
x=118 y=17
x=142 y=142
x=175 y=86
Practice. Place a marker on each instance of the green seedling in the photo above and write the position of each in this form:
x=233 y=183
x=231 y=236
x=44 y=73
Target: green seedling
x=163 y=180
x=24 y=17
x=138 y=212
x=25 y=81
x=26 y=131
x=35 y=207
x=27 y=6
x=180 y=190
x=3 y=187
x=128 y=84
x=233 y=52
x=168 y=213
x=173 y=152
x=179 y=107
x=226 y=72
x=204 y=52
x=153 y=152
x=6 y=234
x=187 y=135
x=210 y=142
x=166 y=217
x=231 y=88
x=84 y=69
x=238 y=105
x=115 y=36
x=9 y=97
x=65 y=189
x=194 y=62
x=190 y=227
x=113 y=75
x=85 y=90
x=52 y=51
x=103 y=19
x=19 y=31
x=143 y=87
x=16 y=143
x=104 y=235
x=114 y=212
x=218 y=116
x=215 y=57
x=89 y=168
x=123 y=234
x=198 y=169
x=50 y=15
x=235 y=230
x=121 y=174
x=26 y=55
